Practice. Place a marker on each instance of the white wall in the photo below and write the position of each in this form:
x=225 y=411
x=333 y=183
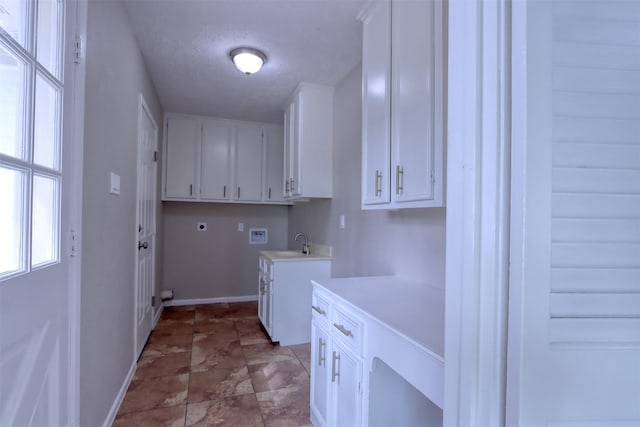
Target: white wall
x=218 y=262
x=116 y=75
x=409 y=242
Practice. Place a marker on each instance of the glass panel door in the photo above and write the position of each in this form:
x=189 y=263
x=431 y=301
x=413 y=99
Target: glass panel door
x=31 y=99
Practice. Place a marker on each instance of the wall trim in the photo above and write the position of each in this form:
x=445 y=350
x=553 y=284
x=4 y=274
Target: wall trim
x=478 y=213
x=79 y=26
x=111 y=416
x=156 y=316
x=196 y=301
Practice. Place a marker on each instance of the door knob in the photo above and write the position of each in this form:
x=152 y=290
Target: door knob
x=142 y=245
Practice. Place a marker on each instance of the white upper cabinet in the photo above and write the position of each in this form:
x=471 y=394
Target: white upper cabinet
x=215 y=177
x=376 y=105
x=274 y=166
x=183 y=143
x=248 y=163
x=308 y=122
x=403 y=121
x=219 y=160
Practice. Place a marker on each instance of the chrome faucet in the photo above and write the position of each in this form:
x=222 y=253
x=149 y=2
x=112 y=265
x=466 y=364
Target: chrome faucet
x=305 y=246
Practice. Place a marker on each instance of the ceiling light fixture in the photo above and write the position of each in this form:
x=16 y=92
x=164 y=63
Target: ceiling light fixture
x=247 y=59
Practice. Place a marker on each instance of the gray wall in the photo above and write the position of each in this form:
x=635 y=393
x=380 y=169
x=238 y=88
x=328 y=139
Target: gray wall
x=409 y=242
x=116 y=75
x=218 y=262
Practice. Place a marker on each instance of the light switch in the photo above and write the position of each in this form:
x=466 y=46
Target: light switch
x=342 y=222
x=114 y=184
x=241 y=226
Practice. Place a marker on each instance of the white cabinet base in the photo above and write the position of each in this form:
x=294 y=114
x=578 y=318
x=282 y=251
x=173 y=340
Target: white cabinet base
x=394 y=338
x=285 y=297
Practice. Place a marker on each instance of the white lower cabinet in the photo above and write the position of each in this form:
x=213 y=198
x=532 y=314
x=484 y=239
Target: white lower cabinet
x=264 y=303
x=336 y=365
x=377 y=356
x=346 y=374
x=320 y=371
x=284 y=295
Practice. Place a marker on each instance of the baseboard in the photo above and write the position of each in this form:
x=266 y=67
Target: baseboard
x=156 y=315
x=120 y=397
x=196 y=301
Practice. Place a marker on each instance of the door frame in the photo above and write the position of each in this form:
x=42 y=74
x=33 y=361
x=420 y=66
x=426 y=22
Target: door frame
x=478 y=212
x=143 y=108
x=79 y=28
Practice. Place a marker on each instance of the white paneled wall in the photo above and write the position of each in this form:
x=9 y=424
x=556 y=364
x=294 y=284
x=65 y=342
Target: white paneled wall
x=595 y=226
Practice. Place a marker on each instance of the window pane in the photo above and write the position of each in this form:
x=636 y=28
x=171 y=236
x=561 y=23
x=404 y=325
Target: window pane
x=12 y=190
x=45 y=225
x=47 y=124
x=13 y=19
x=12 y=97
x=49 y=36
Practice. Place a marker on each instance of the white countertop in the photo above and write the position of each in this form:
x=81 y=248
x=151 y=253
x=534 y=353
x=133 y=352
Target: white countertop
x=318 y=253
x=411 y=308
x=288 y=256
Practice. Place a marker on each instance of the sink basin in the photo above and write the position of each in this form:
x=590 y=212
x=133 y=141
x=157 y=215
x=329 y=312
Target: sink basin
x=321 y=252
x=288 y=254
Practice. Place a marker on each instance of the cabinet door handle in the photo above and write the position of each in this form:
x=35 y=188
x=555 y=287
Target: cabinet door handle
x=334 y=371
x=378 y=183
x=321 y=345
x=269 y=193
x=224 y=191
x=238 y=192
x=399 y=179
x=291 y=187
x=191 y=189
x=344 y=330
x=318 y=309
x=286 y=186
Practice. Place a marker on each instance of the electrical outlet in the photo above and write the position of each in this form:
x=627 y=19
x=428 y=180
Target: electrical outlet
x=202 y=226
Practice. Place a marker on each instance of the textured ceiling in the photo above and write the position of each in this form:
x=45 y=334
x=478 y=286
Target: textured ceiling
x=185 y=45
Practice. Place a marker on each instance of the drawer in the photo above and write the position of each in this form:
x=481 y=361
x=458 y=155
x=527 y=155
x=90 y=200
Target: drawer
x=348 y=328
x=320 y=307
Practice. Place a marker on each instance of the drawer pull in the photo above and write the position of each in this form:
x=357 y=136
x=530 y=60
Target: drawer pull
x=318 y=309
x=334 y=371
x=344 y=330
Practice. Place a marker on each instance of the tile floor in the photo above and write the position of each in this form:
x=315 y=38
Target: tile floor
x=213 y=365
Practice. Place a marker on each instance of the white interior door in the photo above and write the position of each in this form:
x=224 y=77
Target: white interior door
x=574 y=331
x=38 y=300
x=146 y=233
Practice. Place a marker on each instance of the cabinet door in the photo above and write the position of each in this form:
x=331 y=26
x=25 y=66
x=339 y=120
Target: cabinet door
x=291 y=164
x=274 y=157
x=183 y=138
x=261 y=297
x=320 y=374
x=296 y=123
x=216 y=160
x=268 y=307
x=376 y=105
x=413 y=114
x=346 y=398
x=287 y=153
x=248 y=164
